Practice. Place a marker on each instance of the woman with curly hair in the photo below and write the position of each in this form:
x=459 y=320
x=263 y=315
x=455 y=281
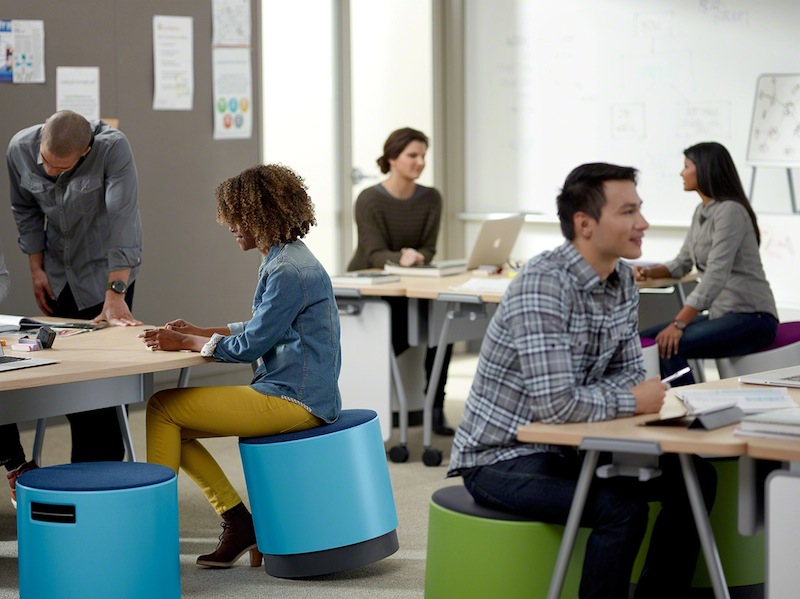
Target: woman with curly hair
x=293 y=334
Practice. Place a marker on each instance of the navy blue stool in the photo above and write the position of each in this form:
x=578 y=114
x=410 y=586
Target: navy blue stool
x=321 y=499
x=98 y=529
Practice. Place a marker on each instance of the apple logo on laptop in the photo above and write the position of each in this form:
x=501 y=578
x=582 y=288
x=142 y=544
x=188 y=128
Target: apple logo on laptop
x=496 y=243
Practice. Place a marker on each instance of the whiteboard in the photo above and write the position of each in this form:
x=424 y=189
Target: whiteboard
x=550 y=85
x=775 y=129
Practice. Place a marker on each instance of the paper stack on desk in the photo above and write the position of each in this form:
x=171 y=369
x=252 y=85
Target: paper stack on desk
x=480 y=285
x=750 y=401
x=775 y=423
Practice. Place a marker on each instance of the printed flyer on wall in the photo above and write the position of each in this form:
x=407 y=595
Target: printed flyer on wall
x=6 y=52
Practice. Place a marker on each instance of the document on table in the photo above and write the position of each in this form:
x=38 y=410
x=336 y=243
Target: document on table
x=750 y=401
x=482 y=285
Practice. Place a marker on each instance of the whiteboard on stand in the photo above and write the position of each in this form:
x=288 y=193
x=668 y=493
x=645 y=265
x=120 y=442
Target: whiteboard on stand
x=775 y=128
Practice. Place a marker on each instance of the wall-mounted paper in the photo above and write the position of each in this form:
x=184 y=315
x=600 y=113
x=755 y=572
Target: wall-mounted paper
x=231 y=22
x=173 y=68
x=78 y=89
x=6 y=51
x=233 y=93
x=28 y=43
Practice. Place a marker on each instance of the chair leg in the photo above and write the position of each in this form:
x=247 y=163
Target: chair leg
x=125 y=429
x=698 y=370
x=38 y=441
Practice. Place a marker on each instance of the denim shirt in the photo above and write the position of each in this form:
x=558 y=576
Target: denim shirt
x=294 y=330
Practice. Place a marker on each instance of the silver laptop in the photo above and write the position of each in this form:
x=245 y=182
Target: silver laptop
x=15 y=362
x=495 y=241
x=783 y=377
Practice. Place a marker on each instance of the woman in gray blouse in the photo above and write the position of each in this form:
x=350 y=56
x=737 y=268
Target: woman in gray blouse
x=722 y=243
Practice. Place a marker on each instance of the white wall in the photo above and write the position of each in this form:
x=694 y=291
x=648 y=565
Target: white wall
x=553 y=84
x=299 y=107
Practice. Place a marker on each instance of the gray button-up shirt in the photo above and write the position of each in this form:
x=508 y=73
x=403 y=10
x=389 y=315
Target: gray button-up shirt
x=563 y=346
x=722 y=243
x=5 y=279
x=86 y=221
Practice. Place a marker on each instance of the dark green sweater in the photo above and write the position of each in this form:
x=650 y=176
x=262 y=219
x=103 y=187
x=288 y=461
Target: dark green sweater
x=386 y=225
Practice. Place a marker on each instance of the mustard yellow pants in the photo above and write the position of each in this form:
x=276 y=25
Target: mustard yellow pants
x=177 y=418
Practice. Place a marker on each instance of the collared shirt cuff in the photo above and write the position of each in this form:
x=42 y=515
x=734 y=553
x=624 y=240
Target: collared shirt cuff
x=211 y=345
x=236 y=328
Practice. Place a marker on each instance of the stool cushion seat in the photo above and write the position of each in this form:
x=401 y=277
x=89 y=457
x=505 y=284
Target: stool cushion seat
x=347 y=419
x=458 y=499
x=788 y=333
x=647 y=341
x=96 y=476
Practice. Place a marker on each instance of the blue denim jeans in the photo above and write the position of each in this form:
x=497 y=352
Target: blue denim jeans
x=542 y=486
x=735 y=334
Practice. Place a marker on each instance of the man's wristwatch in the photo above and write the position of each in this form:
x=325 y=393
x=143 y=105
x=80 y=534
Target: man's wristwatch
x=117 y=286
x=679 y=324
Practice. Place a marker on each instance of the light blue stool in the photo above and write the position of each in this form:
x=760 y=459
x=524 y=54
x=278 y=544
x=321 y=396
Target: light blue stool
x=321 y=499
x=98 y=529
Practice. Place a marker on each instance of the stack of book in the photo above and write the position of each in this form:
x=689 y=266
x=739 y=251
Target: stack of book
x=443 y=268
x=750 y=401
x=363 y=279
x=784 y=424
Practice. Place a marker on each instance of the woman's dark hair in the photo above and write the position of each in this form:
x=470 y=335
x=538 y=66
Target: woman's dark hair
x=717 y=177
x=583 y=192
x=269 y=201
x=396 y=143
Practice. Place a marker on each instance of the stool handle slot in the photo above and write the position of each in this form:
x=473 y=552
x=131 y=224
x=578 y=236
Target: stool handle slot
x=50 y=512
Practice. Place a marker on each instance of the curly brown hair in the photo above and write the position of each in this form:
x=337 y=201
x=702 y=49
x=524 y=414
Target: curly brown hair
x=268 y=201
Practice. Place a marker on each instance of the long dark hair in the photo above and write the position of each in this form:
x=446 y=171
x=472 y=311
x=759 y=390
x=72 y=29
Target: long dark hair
x=717 y=177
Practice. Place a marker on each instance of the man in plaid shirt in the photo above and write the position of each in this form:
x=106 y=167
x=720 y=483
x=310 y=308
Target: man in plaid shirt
x=564 y=346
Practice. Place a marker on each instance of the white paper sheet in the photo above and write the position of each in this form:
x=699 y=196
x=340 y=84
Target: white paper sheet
x=233 y=93
x=28 y=39
x=173 y=66
x=78 y=89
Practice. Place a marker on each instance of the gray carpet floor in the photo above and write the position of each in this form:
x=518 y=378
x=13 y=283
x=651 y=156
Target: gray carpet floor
x=400 y=576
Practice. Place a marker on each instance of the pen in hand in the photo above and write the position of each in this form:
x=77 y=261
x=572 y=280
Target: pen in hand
x=676 y=375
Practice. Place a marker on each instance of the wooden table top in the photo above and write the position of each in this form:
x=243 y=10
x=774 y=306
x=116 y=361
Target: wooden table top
x=105 y=353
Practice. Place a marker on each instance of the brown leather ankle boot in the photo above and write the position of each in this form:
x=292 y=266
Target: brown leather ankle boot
x=238 y=536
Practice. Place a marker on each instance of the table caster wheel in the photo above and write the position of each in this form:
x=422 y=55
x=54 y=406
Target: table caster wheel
x=432 y=456
x=398 y=454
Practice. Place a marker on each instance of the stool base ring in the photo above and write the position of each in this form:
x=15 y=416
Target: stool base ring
x=318 y=563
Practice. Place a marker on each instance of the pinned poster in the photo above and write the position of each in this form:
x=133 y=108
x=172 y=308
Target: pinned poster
x=78 y=90
x=28 y=49
x=231 y=22
x=173 y=68
x=233 y=93
x=6 y=51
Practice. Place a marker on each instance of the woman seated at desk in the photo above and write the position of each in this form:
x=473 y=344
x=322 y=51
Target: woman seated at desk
x=294 y=334
x=722 y=242
x=398 y=221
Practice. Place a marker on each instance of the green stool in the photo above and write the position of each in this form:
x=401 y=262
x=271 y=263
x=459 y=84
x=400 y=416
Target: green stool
x=742 y=557
x=476 y=552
